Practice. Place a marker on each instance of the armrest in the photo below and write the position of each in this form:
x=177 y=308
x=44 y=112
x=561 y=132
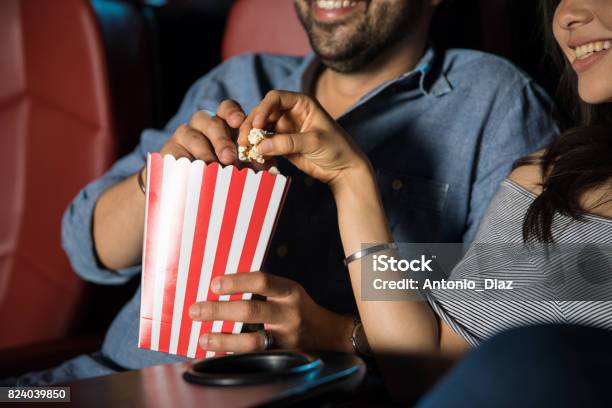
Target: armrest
x=19 y=360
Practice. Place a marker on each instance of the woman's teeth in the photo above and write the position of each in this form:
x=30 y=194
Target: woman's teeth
x=586 y=50
x=335 y=4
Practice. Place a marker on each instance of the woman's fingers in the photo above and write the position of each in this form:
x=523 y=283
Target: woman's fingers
x=275 y=104
x=287 y=144
x=273 y=107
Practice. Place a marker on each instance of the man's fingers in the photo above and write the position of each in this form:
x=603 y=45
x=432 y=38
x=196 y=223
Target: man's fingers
x=238 y=343
x=231 y=111
x=217 y=131
x=247 y=311
x=253 y=282
x=195 y=143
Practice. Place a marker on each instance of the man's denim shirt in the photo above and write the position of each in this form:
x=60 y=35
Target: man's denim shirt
x=441 y=139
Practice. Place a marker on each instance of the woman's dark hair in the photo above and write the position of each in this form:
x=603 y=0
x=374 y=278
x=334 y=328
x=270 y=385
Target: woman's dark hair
x=580 y=160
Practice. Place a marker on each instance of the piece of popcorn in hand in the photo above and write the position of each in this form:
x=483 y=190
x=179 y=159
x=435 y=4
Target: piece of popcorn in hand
x=243 y=153
x=254 y=155
x=250 y=154
x=257 y=135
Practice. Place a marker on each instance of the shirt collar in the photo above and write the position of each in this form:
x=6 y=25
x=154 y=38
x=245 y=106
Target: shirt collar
x=432 y=79
x=301 y=78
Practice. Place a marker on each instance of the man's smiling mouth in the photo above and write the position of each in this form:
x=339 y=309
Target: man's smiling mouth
x=337 y=10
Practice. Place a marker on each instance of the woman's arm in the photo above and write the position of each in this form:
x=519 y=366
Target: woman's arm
x=391 y=326
x=404 y=335
x=318 y=146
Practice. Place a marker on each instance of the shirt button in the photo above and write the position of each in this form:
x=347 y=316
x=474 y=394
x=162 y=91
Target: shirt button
x=309 y=181
x=397 y=184
x=281 y=251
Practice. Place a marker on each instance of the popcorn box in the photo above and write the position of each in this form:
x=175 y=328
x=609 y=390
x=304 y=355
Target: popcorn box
x=201 y=221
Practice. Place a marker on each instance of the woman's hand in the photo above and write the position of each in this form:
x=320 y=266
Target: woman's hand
x=306 y=135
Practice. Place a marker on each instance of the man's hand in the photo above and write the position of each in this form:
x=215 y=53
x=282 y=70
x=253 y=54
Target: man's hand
x=119 y=212
x=208 y=138
x=293 y=318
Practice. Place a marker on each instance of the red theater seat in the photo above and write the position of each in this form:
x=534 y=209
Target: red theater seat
x=270 y=26
x=55 y=123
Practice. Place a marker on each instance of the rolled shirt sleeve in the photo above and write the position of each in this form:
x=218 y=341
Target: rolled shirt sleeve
x=77 y=222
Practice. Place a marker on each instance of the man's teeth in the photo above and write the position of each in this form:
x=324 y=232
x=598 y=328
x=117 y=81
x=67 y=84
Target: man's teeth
x=586 y=50
x=335 y=4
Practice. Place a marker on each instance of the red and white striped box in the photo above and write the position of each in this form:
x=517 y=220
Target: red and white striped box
x=201 y=221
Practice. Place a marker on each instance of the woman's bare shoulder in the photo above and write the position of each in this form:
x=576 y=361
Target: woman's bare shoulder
x=529 y=176
x=597 y=201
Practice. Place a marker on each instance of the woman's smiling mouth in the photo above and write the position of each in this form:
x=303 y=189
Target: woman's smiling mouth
x=588 y=53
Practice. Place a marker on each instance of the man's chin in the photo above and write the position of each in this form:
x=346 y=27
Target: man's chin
x=342 y=54
x=346 y=65
x=338 y=45
x=337 y=33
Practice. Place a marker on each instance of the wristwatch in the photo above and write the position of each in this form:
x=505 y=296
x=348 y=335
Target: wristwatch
x=359 y=341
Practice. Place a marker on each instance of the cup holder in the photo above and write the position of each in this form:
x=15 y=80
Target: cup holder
x=252 y=368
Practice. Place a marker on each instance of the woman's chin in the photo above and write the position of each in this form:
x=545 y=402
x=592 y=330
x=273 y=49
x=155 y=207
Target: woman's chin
x=595 y=95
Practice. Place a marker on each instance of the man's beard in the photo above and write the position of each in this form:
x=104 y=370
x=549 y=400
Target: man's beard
x=368 y=39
